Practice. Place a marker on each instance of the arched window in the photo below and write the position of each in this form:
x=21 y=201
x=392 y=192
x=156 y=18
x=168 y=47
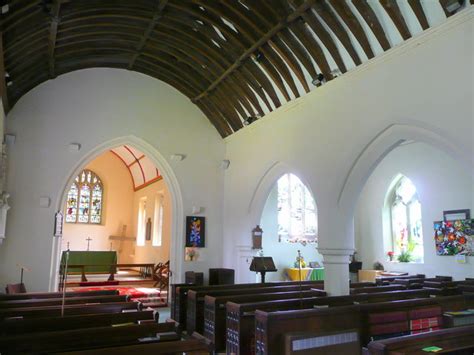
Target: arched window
x=85 y=199
x=405 y=214
x=297 y=215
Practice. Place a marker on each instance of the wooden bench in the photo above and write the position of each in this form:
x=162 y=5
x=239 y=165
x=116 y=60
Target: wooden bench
x=240 y=317
x=195 y=304
x=87 y=338
x=180 y=294
x=51 y=311
x=215 y=311
x=47 y=295
x=193 y=345
x=378 y=289
x=58 y=301
x=453 y=340
x=271 y=327
x=19 y=326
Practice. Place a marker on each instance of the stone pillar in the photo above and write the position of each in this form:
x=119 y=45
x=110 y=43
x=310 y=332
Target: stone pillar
x=336 y=270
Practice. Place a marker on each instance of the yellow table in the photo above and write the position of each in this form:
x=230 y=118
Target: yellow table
x=307 y=273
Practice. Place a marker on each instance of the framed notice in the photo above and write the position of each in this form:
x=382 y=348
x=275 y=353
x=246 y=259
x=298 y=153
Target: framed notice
x=454 y=215
x=58 y=224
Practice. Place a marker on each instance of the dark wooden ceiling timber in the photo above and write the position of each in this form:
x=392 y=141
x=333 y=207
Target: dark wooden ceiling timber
x=232 y=58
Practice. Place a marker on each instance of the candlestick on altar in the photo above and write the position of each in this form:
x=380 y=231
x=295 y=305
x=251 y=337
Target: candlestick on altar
x=89 y=239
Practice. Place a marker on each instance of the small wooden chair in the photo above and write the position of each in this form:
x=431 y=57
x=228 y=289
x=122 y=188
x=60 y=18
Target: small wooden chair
x=161 y=275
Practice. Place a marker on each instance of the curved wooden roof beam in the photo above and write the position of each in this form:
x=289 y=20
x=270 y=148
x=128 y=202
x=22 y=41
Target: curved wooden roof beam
x=372 y=21
x=394 y=12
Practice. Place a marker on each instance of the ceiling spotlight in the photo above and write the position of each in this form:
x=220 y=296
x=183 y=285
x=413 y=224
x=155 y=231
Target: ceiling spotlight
x=336 y=72
x=257 y=56
x=453 y=6
x=319 y=80
x=250 y=120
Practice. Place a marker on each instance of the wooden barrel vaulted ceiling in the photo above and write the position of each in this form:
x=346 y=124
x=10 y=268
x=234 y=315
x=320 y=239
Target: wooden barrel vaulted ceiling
x=234 y=59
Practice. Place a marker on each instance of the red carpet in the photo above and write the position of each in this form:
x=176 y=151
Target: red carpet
x=142 y=294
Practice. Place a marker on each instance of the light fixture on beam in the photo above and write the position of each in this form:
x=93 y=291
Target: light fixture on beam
x=250 y=120
x=453 y=6
x=319 y=80
x=257 y=56
x=336 y=72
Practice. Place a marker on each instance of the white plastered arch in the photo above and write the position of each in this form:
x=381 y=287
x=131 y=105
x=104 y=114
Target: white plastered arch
x=177 y=224
x=382 y=144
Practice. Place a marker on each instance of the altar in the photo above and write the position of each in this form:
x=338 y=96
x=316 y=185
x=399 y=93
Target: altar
x=92 y=261
x=307 y=273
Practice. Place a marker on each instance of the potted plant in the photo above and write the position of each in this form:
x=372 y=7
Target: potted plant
x=390 y=255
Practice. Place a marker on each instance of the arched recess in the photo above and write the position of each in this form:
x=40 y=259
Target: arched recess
x=383 y=143
x=177 y=227
x=265 y=185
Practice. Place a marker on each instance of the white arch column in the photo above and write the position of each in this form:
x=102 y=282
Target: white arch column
x=336 y=245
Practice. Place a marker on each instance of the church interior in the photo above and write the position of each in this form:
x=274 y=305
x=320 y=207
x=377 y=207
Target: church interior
x=237 y=176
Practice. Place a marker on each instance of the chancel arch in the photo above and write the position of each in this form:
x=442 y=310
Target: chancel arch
x=145 y=167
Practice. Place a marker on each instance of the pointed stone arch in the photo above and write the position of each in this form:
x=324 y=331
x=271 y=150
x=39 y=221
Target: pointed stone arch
x=382 y=144
x=171 y=181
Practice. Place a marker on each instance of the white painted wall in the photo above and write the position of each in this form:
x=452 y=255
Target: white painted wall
x=284 y=254
x=149 y=253
x=442 y=184
x=92 y=107
x=426 y=82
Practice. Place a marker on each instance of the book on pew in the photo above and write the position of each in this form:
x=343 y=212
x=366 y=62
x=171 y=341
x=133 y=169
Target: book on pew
x=458 y=319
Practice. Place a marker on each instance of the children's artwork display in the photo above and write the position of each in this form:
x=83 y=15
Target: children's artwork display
x=454 y=237
x=195 y=227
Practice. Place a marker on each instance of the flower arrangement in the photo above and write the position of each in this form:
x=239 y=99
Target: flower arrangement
x=404 y=257
x=300 y=261
x=191 y=252
x=390 y=255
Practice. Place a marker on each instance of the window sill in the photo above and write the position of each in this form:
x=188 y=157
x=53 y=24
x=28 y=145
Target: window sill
x=410 y=262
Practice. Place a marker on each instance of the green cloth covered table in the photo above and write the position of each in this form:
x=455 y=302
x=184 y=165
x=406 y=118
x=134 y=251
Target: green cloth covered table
x=306 y=274
x=105 y=258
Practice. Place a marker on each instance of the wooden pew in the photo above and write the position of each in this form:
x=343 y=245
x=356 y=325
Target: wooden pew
x=381 y=279
x=215 y=312
x=20 y=326
x=240 y=318
x=195 y=304
x=458 y=340
x=180 y=294
x=42 y=295
x=87 y=338
x=270 y=327
x=58 y=301
x=378 y=289
x=193 y=345
x=51 y=311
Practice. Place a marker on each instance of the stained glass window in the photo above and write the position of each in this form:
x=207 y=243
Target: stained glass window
x=85 y=199
x=407 y=235
x=297 y=214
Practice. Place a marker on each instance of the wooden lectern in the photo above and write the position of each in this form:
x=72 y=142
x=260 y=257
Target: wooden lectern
x=263 y=264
